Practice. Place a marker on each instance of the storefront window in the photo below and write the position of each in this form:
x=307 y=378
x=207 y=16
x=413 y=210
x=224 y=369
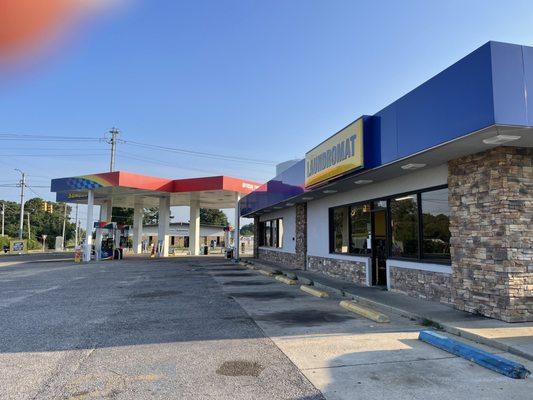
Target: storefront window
x=280 y=232
x=435 y=224
x=414 y=226
x=272 y=233
x=360 y=229
x=340 y=230
x=404 y=226
x=268 y=234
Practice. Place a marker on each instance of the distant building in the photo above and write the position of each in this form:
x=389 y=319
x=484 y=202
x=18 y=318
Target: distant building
x=179 y=234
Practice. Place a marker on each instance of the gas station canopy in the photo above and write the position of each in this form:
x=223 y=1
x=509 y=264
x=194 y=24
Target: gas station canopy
x=123 y=188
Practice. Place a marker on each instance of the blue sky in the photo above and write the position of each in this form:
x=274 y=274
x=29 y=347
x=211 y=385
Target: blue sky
x=261 y=79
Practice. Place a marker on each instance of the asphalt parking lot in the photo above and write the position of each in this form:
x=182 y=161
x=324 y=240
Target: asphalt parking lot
x=200 y=328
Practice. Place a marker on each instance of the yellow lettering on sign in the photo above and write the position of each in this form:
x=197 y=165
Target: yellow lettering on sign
x=341 y=153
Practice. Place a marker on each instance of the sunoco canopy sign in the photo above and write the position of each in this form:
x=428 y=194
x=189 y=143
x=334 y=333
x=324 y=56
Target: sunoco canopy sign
x=337 y=155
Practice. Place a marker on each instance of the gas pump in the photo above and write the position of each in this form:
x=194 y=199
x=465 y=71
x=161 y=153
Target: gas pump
x=227 y=238
x=113 y=239
x=105 y=235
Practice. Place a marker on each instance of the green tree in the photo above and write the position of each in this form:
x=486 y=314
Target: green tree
x=247 y=230
x=151 y=216
x=122 y=215
x=42 y=222
x=209 y=216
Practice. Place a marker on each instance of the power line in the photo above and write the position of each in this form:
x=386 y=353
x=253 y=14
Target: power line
x=44 y=138
x=198 y=153
x=54 y=155
x=113 y=141
x=151 y=160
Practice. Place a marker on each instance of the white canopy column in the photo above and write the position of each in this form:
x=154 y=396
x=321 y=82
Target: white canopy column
x=138 y=216
x=236 y=233
x=163 y=230
x=89 y=227
x=194 y=227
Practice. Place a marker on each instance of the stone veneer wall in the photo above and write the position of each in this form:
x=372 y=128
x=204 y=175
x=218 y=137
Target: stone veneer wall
x=351 y=271
x=279 y=257
x=491 y=225
x=301 y=234
x=297 y=259
x=428 y=285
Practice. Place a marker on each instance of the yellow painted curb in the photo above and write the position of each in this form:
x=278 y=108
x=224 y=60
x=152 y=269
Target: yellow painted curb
x=266 y=273
x=286 y=280
x=313 y=291
x=363 y=311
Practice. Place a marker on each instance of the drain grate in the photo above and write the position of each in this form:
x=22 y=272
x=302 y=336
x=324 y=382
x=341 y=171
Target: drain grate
x=240 y=368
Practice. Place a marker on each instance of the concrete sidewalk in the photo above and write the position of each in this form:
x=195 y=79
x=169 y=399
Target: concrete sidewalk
x=515 y=338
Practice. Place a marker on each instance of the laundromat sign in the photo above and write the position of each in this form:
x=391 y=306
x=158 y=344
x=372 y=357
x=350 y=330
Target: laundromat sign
x=341 y=153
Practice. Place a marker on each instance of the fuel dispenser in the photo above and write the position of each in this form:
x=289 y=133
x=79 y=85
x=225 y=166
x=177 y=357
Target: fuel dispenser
x=111 y=239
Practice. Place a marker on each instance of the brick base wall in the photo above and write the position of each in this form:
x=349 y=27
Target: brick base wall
x=491 y=226
x=351 y=271
x=289 y=260
x=427 y=285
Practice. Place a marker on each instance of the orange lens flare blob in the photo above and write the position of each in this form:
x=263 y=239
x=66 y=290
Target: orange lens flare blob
x=27 y=27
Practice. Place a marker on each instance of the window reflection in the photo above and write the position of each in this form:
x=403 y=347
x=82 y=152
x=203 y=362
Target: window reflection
x=436 y=224
x=340 y=230
x=361 y=229
x=404 y=226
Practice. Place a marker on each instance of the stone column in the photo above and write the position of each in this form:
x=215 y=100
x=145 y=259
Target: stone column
x=138 y=215
x=491 y=226
x=194 y=227
x=301 y=234
x=163 y=228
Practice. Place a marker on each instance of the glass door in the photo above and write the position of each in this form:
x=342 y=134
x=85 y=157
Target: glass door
x=379 y=243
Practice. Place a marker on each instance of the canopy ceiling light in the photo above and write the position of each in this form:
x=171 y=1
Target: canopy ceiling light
x=307 y=198
x=329 y=191
x=363 y=181
x=500 y=139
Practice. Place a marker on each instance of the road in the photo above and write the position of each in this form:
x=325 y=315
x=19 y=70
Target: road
x=200 y=328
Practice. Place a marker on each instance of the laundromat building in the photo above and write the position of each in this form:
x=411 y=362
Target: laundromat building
x=432 y=196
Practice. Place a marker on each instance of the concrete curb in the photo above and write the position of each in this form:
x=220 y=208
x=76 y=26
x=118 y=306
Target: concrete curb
x=265 y=273
x=364 y=312
x=493 y=362
x=445 y=326
x=314 y=292
x=285 y=280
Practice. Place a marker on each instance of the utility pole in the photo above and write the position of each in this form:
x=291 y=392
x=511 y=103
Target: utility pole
x=3 y=214
x=64 y=223
x=29 y=231
x=22 y=184
x=76 y=231
x=113 y=142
